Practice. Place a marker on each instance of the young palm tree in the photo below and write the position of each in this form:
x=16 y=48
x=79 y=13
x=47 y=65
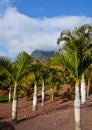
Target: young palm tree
x=35 y=68
x=44 y=74
x=55 y=81
x=17 y=72
x=72 y=56
x=9 y=89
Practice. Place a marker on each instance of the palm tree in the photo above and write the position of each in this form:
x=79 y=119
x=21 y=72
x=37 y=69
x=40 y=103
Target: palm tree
x=86 y=32
x=35 y=68
x=44 y=74
x=72 y=56
x=9 y=80
x=17 y=71
x=55 y=81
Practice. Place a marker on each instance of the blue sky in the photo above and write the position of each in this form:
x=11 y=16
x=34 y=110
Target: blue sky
x=26 y=25
x=51 y=8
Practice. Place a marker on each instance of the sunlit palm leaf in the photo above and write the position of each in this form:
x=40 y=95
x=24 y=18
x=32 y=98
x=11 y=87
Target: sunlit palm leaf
x=68 y=63
x=22 y=62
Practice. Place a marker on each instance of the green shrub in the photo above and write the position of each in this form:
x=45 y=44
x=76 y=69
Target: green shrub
x=4 y=98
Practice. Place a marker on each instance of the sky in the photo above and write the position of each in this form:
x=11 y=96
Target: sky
x=26 y=25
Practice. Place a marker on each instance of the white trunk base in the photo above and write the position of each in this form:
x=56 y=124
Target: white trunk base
x=83 y=92
x=42 y=98
x=14 y=111
x=43 y=95
x=9 y=97
x=34 y=103
x=77 y=112
x=43 y=103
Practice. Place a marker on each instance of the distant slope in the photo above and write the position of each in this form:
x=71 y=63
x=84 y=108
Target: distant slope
x=42 y=55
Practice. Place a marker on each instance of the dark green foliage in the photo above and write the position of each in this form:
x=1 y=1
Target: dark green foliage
x=4 y=99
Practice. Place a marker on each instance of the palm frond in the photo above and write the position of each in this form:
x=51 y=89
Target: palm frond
x=22 y=62
x=6 y=66
x=86 y=61
x=64 y=36
x=67 y=62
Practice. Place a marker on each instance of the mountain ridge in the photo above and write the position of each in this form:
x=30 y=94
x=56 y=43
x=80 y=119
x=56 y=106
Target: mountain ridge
x=42 y=55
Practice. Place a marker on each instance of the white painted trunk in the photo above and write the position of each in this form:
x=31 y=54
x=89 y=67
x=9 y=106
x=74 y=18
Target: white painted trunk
x=43 y=95
x=77 y=118
x=15 y=105
x=9 y=97
x=77 y=108
x=35 y=99
x=10 y=94
x=83 y=90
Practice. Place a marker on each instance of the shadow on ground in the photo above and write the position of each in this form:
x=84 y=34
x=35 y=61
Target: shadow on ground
x=48 y=110
x=6 y=126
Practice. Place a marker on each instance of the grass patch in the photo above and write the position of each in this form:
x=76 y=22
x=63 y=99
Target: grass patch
x=4 y=99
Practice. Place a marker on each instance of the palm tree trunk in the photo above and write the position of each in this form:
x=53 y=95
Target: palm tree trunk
x=77 y=107
x=52 y=96
x=35 y=98
x=83 y=90
x=9 y=94
x=43 y=95
x=15 y=105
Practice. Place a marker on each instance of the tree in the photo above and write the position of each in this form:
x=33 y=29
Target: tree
x=72 y=56
x=86 y=32
x=26 y=87
x=54 y=81
x=17 y=71
x=62 y=76
x=44 y=74
x=35 y=68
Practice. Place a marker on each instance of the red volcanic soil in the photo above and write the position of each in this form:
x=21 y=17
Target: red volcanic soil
x=56 y=115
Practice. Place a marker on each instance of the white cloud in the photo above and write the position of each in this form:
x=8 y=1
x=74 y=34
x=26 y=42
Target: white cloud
x=19 y=32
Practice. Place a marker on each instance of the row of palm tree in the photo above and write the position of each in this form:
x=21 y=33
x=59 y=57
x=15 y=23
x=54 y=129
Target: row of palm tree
x=22 y=73
x=73 y=59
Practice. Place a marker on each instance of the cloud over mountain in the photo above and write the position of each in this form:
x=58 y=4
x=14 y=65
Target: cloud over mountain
x=19 y=32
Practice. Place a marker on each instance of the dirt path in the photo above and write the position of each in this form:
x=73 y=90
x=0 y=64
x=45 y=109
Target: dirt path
x=57 y=115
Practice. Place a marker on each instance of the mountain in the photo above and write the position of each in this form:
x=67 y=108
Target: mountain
x=42 y=55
